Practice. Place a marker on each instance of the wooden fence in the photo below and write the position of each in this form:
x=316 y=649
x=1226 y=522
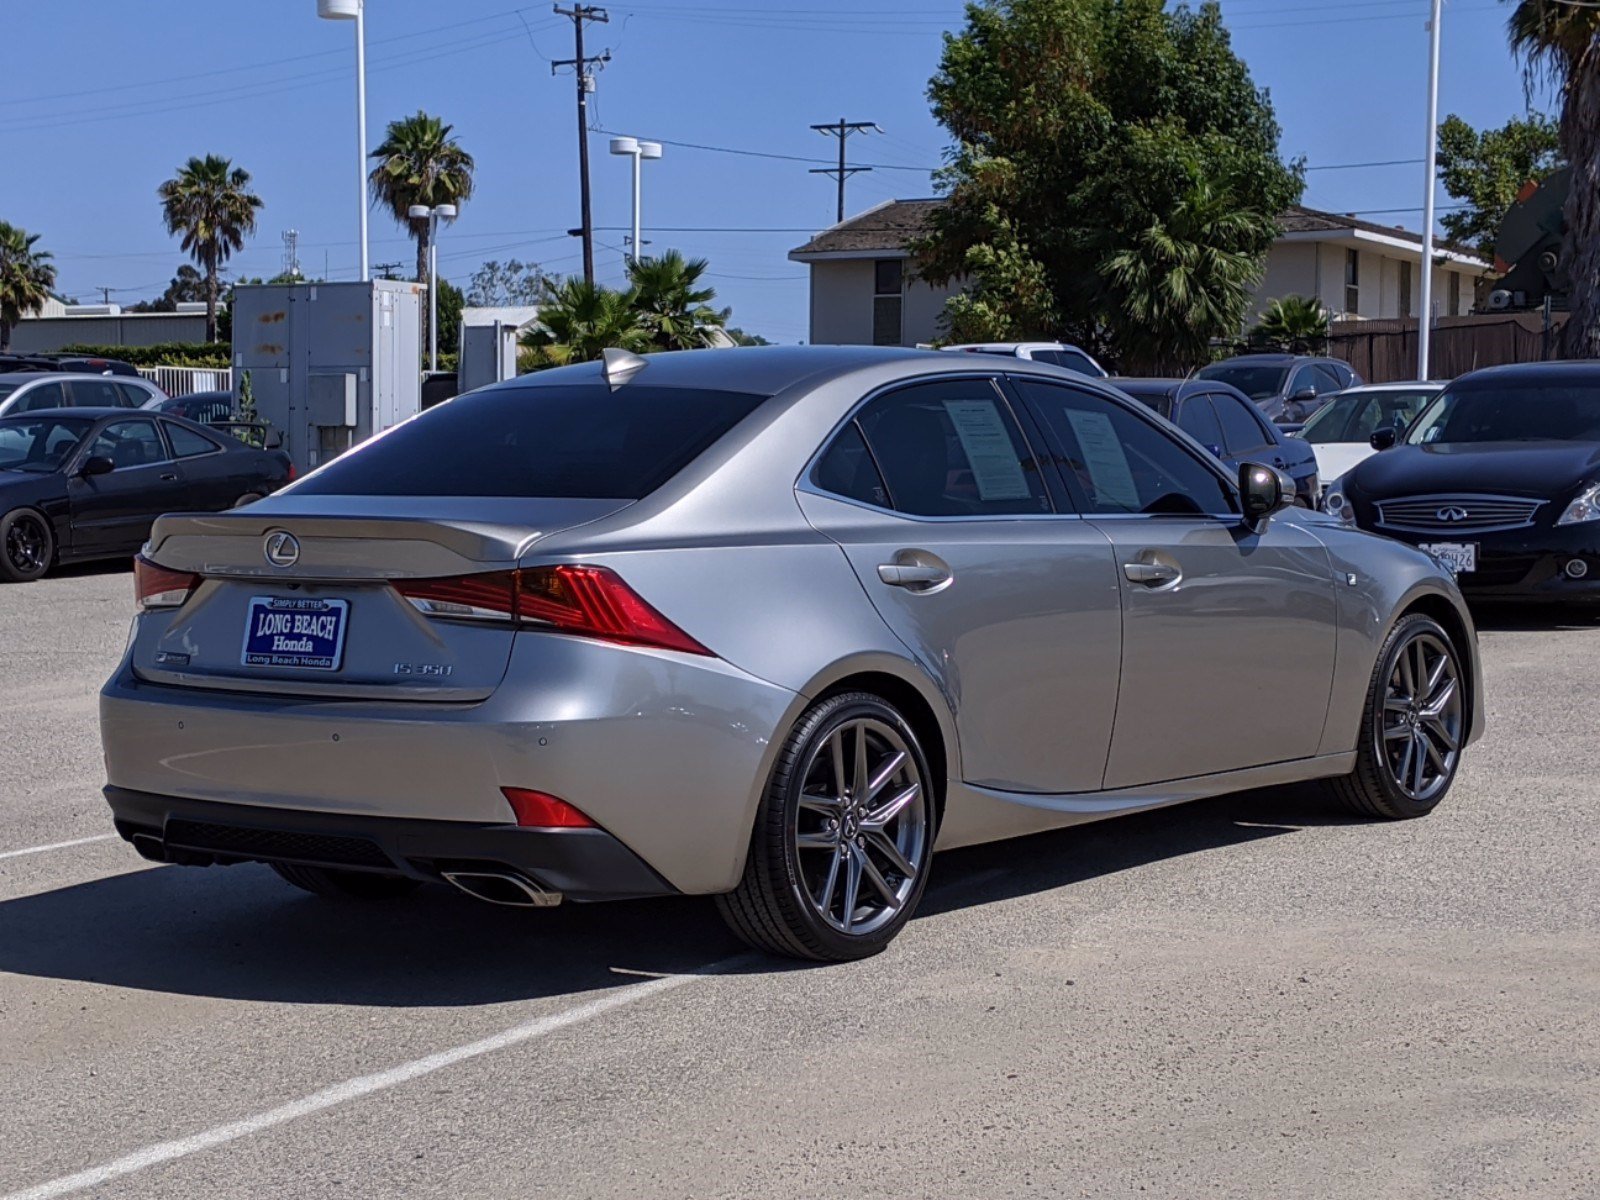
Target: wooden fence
x=1384 y=351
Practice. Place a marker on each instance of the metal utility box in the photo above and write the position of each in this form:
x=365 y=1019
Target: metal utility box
x=330 y=364
x=489 y=343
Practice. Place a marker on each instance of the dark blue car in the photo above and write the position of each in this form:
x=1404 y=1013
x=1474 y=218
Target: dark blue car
x=1223 y=420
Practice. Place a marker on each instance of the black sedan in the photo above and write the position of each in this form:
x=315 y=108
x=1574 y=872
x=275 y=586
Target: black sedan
x=1222 y=419
x=1499 y=478
x=82 y=483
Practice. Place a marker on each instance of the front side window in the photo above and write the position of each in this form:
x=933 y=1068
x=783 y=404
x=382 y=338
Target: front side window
x=1242 y=431
x=134 y=443
x=1118 y=462
x=39 y=444
x=948 y=449
x=573 y=441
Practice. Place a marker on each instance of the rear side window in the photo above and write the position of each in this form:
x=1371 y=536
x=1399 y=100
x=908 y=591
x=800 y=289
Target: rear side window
x=133 y=396
x=574 y=442
x=186 y=443
x=846 y=469
x=952 y=449
x=97 y=393
x=1199 y=421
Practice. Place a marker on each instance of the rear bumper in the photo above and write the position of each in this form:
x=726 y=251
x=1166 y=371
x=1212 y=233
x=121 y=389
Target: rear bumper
x=581 y=864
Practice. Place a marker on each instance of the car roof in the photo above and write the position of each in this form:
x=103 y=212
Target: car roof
x=1568 y=371
x=757 y=370
x=1396 y=385
x=1265 y=360
x=92 y=414
x=58 y=376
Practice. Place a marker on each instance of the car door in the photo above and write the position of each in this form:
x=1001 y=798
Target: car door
x=213 y=479
x=1228 y=630
x=112 y=513
x=941 y=506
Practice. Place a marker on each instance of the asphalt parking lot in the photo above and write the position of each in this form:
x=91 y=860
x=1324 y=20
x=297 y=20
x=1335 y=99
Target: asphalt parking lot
x=1254 y=996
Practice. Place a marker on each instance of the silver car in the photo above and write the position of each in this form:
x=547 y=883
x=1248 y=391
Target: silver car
x=768 y=624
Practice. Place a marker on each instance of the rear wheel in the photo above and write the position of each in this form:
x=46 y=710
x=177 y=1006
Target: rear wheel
x=1413 y=726
x=839 y=857
x=346 y=885
x=27 y=546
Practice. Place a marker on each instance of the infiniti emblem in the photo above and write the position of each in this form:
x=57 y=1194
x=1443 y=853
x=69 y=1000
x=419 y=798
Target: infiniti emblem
x=281 y=549
x=1450 y=512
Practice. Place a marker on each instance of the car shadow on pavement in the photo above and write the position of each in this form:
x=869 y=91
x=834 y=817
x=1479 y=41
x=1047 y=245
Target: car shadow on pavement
x=241 y=933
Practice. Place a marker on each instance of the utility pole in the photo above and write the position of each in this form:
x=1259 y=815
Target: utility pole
x=1425 y=317
x=842 y=131
x=105 y=292
x=579 y=15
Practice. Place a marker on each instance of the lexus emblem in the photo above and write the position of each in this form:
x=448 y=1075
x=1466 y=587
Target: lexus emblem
x=281 y=549
x=1450 y=512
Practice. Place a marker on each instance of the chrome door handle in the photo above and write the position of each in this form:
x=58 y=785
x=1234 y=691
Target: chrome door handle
x=1151 y=574
x=911 y=575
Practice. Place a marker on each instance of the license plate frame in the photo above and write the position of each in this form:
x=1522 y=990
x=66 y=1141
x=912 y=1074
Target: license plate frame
x=1461 y=558
x=297 y=638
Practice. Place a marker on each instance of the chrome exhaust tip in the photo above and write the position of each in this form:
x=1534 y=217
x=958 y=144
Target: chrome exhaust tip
x=502 y=887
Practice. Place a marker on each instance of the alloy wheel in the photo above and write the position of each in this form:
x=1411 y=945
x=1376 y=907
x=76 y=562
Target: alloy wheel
x=861 y=826
x=1421 y=723
x=27 y=545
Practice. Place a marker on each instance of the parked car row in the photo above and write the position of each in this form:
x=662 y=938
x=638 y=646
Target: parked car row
x=32 y=391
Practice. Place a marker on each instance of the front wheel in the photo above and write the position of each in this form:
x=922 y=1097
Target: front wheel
x=843 y=838
x=1413 y=726
x=27 y=546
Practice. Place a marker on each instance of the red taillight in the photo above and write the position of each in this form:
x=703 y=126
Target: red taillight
x=540 y=810
x=155 y=586
x=292 y=472
x=589 y=601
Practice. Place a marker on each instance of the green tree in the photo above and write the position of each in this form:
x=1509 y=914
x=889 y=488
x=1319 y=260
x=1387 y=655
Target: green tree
x=671 y=304
x=210 y=203
x=451 y=302
x=187 y=287
x=497 y=285
x=1297 y=324
x=1560 y=42
x=578 y=320
x=420 y=162
x=1097 y=143
x=26 y=277
x=1485 y=171
x=741 y=338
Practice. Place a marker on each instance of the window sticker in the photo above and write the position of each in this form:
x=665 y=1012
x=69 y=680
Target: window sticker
x=993 y=458
x=1104 y=458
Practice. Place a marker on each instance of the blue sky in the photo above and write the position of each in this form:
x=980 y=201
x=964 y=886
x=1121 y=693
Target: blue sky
x=104 y=98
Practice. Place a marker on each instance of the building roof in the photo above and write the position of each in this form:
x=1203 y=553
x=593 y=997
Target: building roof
x=888 y=228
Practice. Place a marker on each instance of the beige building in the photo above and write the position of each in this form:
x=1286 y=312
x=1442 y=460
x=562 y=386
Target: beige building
x=864 y=290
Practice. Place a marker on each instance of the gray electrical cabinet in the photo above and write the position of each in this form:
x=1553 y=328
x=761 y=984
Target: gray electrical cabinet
x=331 y=364
x=489 y=344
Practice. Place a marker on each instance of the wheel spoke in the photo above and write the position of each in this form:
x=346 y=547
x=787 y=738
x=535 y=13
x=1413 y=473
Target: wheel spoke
x=1436 y=704
x=825 y=901
x=828 y=806
x=1436 y=676
x=852 y=888
x=1432 y=751
x=886 y=847
x=862 y=780
x=819 y=839
x=885 y=773
x=880 y=817
x=1397 y=704
x=879 y=883
x=1419 y=765
x=1395 y=732
x=1408 y=679
x=1403 y=771
x=841 y=781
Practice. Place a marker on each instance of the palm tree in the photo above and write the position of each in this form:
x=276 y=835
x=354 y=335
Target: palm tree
x=210 y=203
x=26 y=277
x=419 y=162
x=674 y=308
x=1294 y=323
x=1185 y=280
x=1560 y=40
x=578 y=320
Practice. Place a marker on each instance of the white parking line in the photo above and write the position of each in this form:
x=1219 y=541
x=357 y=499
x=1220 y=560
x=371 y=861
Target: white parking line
x=365 y=1085
x=99 y=837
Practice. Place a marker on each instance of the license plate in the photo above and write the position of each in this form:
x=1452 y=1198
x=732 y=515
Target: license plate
x=295 y=631
x=1458 y=556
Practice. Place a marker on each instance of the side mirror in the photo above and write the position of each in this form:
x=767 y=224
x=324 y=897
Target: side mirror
x=1382 y=439
x=1304 y=396
x=97 y=464
x=1263 y=491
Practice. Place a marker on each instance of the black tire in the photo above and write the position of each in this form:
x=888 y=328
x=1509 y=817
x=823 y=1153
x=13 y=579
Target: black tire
x=1373 y=789
x=346 y=885
x=27 y=545
x=784 y=905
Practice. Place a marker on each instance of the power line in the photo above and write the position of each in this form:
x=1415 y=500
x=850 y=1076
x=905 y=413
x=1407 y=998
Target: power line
x=580 y=15
x=801 y=158
x=1392 y=162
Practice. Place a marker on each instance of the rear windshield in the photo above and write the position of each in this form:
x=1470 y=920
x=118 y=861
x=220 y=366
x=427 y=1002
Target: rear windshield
x=579 y=442
x=1259 y=383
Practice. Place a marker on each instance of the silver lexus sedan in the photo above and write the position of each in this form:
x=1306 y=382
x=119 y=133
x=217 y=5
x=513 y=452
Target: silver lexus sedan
x=768 y=624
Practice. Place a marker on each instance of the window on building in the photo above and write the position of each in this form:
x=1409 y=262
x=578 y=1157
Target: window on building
x=1352 y=282
x=1405 y=288
x=1455 y=295
x=888 y=301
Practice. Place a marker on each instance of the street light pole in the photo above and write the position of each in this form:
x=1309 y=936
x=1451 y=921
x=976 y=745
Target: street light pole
x=633 y=148
x=1425 y=317
x=421 y=212
x=355 y=10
